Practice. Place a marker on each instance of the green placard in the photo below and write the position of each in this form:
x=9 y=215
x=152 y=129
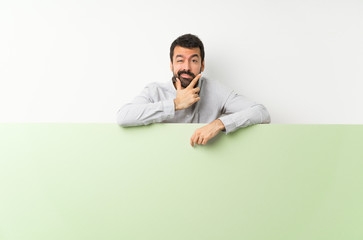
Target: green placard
x=101 y=181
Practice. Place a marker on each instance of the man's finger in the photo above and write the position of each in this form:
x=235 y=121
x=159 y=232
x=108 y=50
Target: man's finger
x=200 y=140
x=196 y=99
x=196 y=90
x=178 y=84
x=194 y=81
x=192 y=140
x=195 y=141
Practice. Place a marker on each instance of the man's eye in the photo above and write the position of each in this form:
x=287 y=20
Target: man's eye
x=195 y=61
x=179 y=61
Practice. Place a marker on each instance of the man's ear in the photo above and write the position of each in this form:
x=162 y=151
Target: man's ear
x=202 y=68
x=171 y=66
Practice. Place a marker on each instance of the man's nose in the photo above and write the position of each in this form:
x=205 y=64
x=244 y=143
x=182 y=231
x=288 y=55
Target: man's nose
x=186 y=66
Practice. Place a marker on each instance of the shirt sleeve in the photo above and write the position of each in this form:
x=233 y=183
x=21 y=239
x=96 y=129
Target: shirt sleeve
x=143 y=111
x=238 y=112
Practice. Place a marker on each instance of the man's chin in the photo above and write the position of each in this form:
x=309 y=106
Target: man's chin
x=185 y=82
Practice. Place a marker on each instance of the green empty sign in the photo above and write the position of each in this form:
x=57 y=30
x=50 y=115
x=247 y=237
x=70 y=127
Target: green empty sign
x=101 y=181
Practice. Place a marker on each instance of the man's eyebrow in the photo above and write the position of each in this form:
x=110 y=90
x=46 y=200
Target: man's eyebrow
x=195 y=55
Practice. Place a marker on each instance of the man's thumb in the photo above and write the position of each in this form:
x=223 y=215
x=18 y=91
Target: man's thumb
x=178 y=84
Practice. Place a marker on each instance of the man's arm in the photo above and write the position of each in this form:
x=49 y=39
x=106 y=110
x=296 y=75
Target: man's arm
x=239 y=112
x=142 y=111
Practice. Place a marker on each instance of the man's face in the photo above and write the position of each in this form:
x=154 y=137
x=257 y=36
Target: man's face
x=187 y=64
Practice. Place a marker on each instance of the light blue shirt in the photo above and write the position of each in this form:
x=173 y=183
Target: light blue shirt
x=155 y=104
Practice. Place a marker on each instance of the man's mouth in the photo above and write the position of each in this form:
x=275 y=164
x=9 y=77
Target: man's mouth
x=185 y=76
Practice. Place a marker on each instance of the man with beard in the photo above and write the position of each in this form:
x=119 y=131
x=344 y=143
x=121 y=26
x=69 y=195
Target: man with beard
x=191 y=98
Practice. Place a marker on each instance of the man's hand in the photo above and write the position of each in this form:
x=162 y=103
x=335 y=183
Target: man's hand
x=204 y=134
x=187 y=96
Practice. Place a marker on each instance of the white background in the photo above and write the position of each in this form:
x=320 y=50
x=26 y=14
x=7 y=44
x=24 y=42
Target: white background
x=81 y=60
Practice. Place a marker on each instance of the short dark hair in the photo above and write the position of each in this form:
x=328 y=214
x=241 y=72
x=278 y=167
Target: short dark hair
x=187 y=41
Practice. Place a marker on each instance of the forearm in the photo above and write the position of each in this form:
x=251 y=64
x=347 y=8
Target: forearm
x=218 y=125
x=143 y=114
x=256 y=114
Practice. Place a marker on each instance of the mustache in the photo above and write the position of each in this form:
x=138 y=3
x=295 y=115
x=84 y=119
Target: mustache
x=186 y=72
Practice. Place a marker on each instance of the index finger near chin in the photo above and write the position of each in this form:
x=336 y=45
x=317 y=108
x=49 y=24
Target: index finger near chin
x=194 y=81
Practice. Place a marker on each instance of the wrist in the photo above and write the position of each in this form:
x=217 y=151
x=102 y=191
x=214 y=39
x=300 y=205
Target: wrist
x=219 y=124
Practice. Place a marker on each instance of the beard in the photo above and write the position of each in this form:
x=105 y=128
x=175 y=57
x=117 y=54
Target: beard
x=184 y=81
